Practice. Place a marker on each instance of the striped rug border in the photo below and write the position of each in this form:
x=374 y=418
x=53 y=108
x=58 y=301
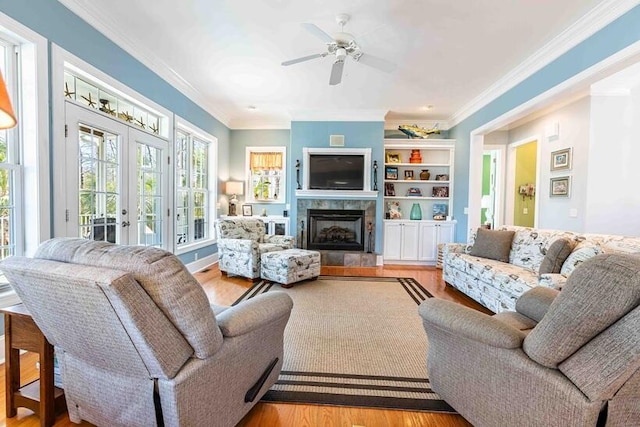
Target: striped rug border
x=415 y=290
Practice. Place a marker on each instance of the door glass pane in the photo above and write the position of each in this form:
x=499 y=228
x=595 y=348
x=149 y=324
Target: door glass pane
x=98 y=184
x=150 y=219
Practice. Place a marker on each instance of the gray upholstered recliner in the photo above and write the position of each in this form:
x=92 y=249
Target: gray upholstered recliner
x=137 y=341
x=241 y=241
x=566 y=360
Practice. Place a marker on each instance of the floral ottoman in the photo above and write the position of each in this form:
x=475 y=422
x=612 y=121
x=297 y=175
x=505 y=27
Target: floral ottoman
x=290 y=266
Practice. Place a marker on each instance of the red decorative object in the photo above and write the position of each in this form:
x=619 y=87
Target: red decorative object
x=415 y=157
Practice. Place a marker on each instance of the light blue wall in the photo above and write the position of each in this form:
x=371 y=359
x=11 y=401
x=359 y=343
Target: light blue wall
x=56 y=23
x=621 y=33
x=240 y=140
x=356 y=135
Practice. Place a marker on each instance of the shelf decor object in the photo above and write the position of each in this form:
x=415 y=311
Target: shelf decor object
x=416 y=212
x=415 y=157
x=425 y=175
x=414 y=192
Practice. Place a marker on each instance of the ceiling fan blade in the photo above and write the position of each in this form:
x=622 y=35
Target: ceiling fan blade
x=316 y=31
x=379 y=63
x=304 y=58
x=336 y=72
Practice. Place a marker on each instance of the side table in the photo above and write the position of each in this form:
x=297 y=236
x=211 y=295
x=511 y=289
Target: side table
x=41 y=396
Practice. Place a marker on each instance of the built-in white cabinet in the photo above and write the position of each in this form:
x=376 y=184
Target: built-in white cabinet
x=276 y=225
x=415 y=242
x=401 y=240
x=431 y=235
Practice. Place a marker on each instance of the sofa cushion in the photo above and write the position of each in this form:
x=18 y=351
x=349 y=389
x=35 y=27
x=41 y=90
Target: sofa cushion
x=556 y=255
x=493 y=244
x=577 y=257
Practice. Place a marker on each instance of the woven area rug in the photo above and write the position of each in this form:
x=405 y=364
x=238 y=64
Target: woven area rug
x=354 y=341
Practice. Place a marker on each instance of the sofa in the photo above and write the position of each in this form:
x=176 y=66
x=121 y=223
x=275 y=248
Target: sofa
x=497 y=284
x=564 y=359
x=242 y=241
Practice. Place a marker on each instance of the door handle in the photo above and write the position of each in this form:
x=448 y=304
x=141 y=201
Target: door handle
x=126 y=223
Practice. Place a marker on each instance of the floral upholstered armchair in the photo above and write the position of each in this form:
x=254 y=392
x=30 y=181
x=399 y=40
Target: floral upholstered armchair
x=241 y=241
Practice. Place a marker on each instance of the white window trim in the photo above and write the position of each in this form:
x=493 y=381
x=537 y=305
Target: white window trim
x=187 y=127
x=34 y=128
x=60 y=57
x=249 y=190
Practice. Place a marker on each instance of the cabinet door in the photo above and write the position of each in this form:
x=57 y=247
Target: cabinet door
x=428 y=239
x=392 y=240
x=446 y=233
x=410 y=241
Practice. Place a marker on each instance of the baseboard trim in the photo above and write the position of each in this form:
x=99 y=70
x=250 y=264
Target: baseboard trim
x=202 y=263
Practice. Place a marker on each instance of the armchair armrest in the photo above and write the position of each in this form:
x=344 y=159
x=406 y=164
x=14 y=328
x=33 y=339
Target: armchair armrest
x=535 y=302
x=454 y=248
x=279 y=240
x=469 y=323
x=238 y=245
x=254 y=313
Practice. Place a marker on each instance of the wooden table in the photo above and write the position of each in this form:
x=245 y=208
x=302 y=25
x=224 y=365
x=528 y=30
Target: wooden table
x=41 y=396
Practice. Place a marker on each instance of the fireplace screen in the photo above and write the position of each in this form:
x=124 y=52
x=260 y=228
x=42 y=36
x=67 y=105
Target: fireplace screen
x=335 y=229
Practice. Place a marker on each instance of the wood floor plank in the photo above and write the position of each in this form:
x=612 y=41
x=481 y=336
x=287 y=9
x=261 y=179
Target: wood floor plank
x=223 y=290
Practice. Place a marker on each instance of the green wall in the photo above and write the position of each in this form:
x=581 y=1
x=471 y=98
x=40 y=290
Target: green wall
x=525 y=174
x=486 y=183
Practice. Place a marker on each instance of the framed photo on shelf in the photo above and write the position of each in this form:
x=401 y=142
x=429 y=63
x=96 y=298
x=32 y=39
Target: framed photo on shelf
x=408 y=174
x=393 y=158
x=442 y=177
x=247 y=210
x=560 y=187
x=440 y=192
x=389 y=189
x=561 y=159
x=440 y=211
x=391 y=172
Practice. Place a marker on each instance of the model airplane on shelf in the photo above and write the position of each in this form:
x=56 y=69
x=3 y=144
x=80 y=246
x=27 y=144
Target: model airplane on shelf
x=416 y=131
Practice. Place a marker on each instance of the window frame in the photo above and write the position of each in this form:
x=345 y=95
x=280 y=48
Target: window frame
x=183 y=126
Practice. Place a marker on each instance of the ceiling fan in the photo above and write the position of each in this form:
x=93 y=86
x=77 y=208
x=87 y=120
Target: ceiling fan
x=341 y=45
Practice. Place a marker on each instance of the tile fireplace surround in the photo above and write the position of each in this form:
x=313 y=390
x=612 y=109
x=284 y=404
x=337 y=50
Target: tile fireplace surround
x=347 y=258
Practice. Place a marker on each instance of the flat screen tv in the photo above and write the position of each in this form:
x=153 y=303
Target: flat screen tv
x=336 y=172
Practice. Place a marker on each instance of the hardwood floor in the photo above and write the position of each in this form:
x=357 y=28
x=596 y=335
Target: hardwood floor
x=223 y=290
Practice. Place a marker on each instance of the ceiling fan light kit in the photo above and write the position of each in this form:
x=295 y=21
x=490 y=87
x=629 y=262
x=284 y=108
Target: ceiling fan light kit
x=341 y=45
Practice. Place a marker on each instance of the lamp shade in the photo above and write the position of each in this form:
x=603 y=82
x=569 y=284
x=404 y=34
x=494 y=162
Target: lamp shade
x=7 y=116
x=234 y=187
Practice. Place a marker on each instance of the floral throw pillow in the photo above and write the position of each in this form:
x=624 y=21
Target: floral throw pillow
x=577 y=257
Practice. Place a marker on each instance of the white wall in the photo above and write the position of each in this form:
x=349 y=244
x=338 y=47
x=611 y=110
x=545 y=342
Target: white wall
x=613 y=200
x=573 y=120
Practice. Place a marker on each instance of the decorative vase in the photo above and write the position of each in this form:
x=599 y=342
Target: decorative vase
x=416 y=212
x=424 y=175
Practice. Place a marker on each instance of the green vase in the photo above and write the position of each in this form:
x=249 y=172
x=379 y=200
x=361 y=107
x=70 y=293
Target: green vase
x=416 y=212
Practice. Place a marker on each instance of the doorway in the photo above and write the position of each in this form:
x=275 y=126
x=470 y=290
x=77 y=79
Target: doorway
x=522 y=185
x=117 y=183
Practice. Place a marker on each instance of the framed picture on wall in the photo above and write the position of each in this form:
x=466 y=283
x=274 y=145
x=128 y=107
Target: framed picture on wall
x=560 y=187
x=247 y=210
x=561 y=159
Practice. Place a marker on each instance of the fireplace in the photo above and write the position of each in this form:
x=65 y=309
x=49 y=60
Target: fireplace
x=335 y=229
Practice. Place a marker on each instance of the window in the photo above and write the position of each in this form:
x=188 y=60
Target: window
x=266 y=174
x=11 y=232
x=195 y=187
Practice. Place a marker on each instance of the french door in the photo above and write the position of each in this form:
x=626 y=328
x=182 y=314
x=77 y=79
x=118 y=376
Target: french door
x=116 y=181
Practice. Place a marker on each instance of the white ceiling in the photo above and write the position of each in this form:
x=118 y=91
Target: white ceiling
x=226 y=55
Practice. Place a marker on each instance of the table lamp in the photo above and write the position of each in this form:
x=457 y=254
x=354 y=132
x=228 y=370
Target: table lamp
x=233 y=189
x=7 y=116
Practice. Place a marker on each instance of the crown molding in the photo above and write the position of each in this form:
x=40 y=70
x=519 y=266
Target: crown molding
x=394 y=123
x=599 y=17
x=338 y=116
x=91 y=14
x=242 y=124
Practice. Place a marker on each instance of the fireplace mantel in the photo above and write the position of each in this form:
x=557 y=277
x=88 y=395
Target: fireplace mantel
x=336 y=194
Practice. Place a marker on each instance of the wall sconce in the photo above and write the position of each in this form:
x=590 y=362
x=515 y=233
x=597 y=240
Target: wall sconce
x=527 y=190
x=233 y=189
